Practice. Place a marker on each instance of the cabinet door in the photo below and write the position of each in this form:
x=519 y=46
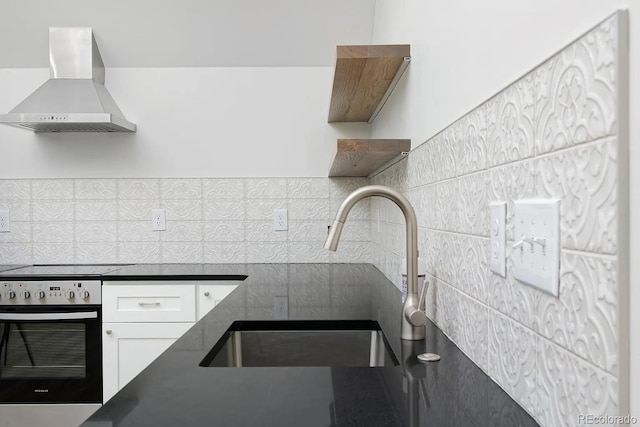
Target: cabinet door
x=210 y=295
x=128 y=348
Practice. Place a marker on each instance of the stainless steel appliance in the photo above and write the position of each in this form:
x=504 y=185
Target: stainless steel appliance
x=50 y=345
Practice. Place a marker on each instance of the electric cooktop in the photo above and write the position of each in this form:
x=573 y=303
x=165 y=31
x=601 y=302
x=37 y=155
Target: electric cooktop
x=61 y=270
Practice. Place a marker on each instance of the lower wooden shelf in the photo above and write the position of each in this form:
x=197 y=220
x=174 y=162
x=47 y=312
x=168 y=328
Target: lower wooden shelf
x=362 y=157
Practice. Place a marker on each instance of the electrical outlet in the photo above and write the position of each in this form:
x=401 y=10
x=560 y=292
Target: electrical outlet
x=158 y=220
x=5 y=221
x=280 y=220
x=498 y=240
x=281 y=307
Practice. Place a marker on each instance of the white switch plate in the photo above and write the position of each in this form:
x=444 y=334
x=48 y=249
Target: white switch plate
x=158 y=220
x=5 y=221
x=535 y=264
x=498 y=239
x=280 y=222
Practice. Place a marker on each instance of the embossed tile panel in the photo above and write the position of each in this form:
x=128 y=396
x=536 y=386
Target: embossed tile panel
x=551 y=134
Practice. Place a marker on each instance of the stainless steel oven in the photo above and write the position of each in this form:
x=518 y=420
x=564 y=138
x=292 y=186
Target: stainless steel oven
x=50 y=350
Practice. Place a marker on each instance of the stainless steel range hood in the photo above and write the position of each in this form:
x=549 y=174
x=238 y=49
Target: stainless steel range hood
x=74 y=99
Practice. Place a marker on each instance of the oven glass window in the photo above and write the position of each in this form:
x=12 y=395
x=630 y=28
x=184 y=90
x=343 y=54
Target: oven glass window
x=31 y=350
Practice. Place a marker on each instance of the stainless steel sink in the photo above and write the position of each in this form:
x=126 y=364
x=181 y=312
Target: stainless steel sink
x=301 y=343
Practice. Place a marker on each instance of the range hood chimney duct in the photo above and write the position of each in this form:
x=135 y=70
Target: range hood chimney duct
x=74 y=99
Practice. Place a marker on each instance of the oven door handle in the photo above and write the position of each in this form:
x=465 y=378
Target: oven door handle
x=49 y=316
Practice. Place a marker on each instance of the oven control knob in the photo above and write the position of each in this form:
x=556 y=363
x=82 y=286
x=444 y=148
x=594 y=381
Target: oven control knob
x=26 y=294
x=84 y=294
x=11 y=294
x=40 y=294
x=71 y=295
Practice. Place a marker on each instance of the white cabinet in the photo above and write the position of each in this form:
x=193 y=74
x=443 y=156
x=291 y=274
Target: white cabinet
x=141 y=319
x=128 y=348
x=210 y=295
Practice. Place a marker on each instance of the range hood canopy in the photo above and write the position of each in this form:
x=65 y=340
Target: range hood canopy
x=74 y=99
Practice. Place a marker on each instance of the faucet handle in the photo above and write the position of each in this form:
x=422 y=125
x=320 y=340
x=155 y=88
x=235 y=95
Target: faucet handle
x=415 y=315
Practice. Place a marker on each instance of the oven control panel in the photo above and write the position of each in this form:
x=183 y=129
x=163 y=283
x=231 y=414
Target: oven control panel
x=59 y=292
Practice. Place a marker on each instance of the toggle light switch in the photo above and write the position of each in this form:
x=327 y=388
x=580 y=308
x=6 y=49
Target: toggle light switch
x=536 y=252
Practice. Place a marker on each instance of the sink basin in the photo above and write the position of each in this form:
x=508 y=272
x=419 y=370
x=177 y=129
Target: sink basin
x=301 y=343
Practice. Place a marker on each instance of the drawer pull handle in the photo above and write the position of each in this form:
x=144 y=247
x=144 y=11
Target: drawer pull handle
x=108 y=331
x=206 y=294
x=148 y=304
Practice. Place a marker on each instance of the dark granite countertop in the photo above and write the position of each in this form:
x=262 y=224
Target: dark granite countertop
x=175 y=391
x=123 y=272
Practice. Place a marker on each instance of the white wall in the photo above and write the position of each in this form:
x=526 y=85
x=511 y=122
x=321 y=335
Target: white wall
x=192 y=122
x=464 y=52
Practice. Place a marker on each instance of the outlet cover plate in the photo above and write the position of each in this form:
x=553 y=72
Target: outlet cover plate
x=158 y=220
x=534 y=264
x=280 y=222
x=498 y=239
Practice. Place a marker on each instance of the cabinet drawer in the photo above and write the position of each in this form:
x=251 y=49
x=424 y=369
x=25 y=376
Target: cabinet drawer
x=145 y=303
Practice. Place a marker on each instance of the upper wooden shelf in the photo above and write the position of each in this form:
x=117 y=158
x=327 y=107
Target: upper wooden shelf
x=362 y=157
x=364 y=78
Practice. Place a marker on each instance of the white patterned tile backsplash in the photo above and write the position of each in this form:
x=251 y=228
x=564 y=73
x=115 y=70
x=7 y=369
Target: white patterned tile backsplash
x=186 y=210
x=473 y=200
x=15 y=189
x=98 y=189
x=19 y=210
x=139 y=189
x=96 y=231
x=137 y=210
x=16 y=253
x=551 y=134
x=52 y=189
x=95 y=253
x=584 y=317
x=136 y=231
x=182 y=252
x=224 y=209
x=54 y=253
x=180 y=188
x=510 y=117
x=53 y=231
x=470 y=136
x=265 y=188
x=182 y=231
x=139 y=252
x=96 y=210
x=567 y=387
x=224 y=231
x=53 y=210
x=262 y=209
x=307 y=188
x=20 y=233
x=223 y=188
x=340 y=188
x=225 y=252
x=262 y=231
x=585 y=178
x=576 y=91
x=512 y=359
x=310 y=209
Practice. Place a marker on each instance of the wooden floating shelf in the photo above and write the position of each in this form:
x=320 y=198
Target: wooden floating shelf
x=364 y=78
x=362 y=157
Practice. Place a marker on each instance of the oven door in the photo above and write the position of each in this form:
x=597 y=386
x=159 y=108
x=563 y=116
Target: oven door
x=50 y=354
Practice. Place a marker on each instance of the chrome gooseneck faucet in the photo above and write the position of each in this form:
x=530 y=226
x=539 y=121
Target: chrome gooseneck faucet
x=413 y=318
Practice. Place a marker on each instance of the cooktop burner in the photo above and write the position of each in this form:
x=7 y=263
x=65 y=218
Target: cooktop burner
x=63 y=270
